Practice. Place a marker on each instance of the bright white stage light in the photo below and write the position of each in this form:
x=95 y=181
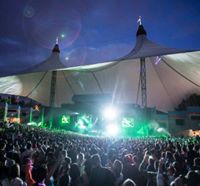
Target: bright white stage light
x=32 y=124
x=160 y=129
x=112 y=130
x=110 y=113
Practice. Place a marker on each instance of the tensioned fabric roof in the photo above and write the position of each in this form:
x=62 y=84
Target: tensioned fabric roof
x=172 y=75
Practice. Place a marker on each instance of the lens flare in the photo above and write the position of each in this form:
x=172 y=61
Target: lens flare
x=112 y=130
x=110 y=113
x=42 y=25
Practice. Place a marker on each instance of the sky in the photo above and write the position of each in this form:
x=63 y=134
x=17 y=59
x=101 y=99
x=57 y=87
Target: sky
x=91 y=31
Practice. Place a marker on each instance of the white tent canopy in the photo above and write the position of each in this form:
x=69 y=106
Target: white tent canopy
x=171 y=76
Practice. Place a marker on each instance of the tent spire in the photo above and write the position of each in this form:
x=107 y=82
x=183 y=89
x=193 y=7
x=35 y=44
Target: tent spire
x=56 y=47
x=57 y=40
x=141 y=30
x=139 y=20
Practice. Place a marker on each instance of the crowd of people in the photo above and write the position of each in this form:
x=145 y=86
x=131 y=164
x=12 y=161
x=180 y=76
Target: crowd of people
x=39 y=157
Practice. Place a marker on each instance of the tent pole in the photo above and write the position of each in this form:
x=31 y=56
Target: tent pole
x=5 y=112
x=18 y=114
x=52 y=96
x=53 y=88
x=42 y=119
x=143 y=82
x=31 y=115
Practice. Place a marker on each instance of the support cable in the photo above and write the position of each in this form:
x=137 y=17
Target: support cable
x=34 y=88
x=68 y=83
x=182 y=75
x=162 y=83
x=97 y=81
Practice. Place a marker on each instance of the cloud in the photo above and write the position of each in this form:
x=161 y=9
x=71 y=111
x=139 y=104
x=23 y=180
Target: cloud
x=9 y=41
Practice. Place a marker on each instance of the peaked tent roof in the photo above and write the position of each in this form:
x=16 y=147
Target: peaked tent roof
x=146 y=48
x=172 y=74
x=52 y=63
